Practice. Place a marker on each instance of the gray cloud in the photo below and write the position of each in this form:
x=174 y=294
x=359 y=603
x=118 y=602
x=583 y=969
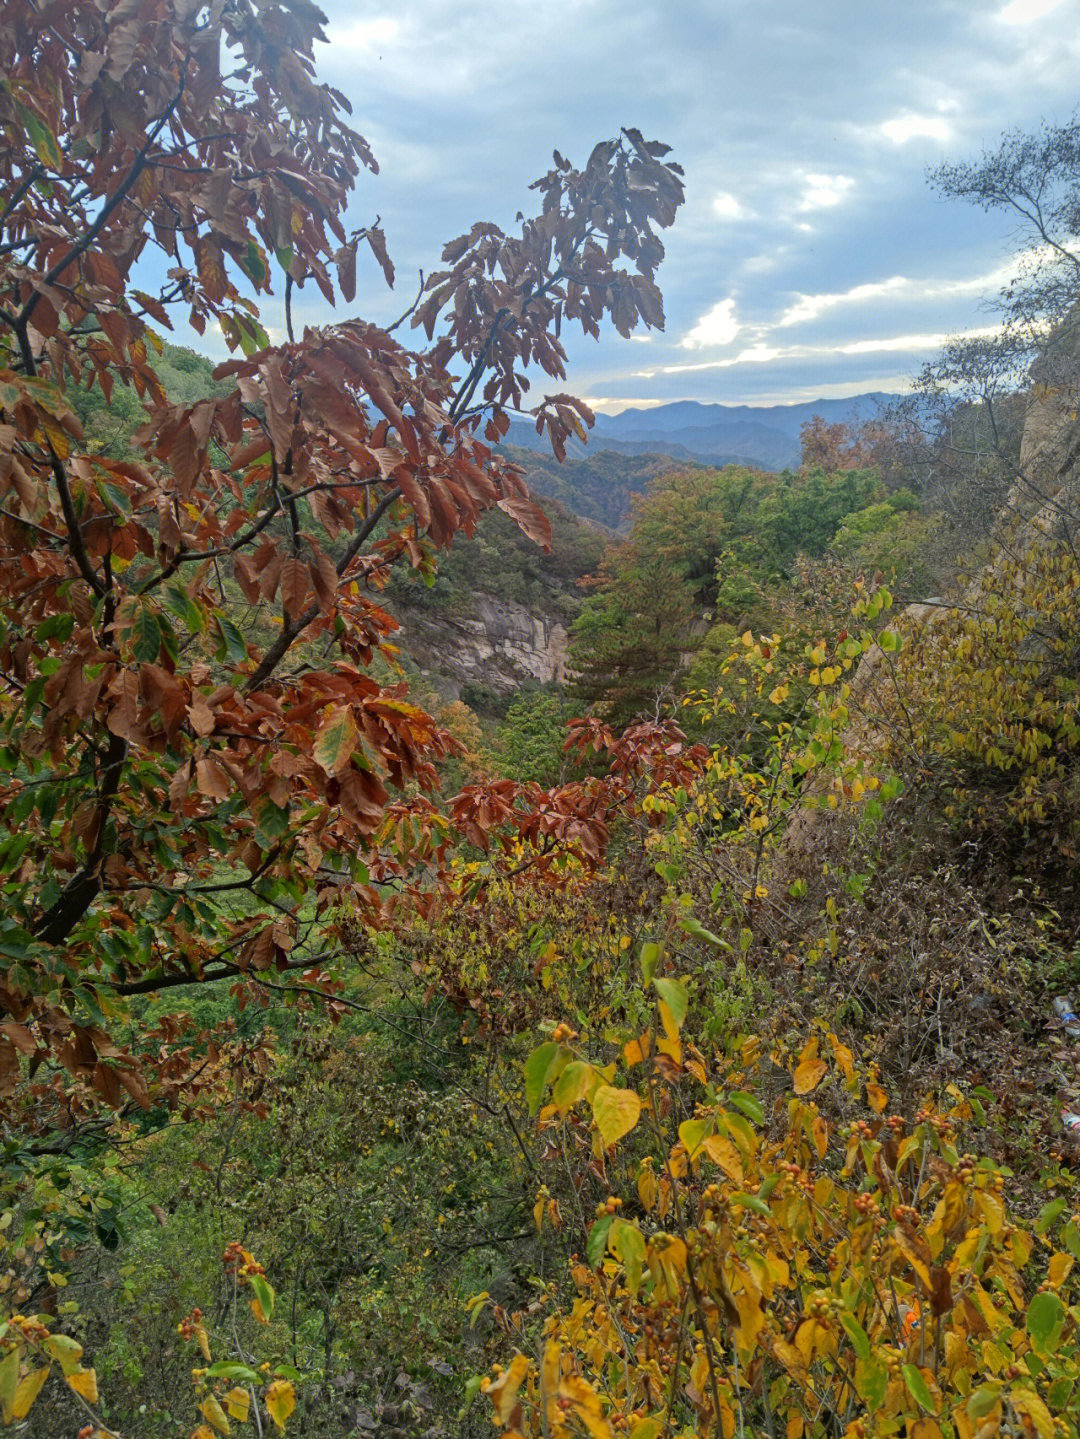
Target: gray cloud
x=811 y=252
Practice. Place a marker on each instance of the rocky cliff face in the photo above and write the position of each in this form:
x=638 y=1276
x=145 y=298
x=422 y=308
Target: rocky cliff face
x=499 y=644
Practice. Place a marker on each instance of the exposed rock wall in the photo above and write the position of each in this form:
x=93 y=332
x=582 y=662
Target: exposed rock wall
x=499 y=644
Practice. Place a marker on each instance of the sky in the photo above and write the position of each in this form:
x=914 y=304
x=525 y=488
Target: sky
x=811 y=259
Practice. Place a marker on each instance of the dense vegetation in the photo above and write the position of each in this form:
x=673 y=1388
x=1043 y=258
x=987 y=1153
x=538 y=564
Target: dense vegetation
x=683 y=1067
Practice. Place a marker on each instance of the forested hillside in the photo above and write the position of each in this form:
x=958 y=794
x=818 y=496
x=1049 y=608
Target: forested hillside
x=685 y=1050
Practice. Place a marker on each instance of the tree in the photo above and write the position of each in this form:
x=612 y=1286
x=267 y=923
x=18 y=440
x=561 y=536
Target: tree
x=203 y=777
x=966 y=421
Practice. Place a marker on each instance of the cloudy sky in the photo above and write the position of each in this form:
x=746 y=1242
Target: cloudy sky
x=811 y=258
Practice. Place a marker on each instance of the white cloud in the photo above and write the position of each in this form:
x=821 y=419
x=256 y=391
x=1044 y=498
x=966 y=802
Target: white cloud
x=916 y=127
x=822 y=192
x=908 y=344
x=717 y=326
x=729 y=207
x=765 y=354
x=610 y=405
x=809 y=307
x=364 y=37
x=1025 y=12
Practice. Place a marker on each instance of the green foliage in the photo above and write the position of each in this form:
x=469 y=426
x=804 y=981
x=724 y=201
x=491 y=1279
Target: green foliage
x=709 y=550
x=501 y=562
x=530 y=738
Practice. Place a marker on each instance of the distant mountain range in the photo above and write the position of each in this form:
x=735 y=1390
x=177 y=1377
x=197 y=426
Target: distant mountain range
x=764 y=436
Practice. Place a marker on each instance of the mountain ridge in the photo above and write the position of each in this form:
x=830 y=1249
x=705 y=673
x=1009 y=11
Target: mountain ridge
x=765 y=436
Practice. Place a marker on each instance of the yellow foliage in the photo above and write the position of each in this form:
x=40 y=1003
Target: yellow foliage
x=784 y=1281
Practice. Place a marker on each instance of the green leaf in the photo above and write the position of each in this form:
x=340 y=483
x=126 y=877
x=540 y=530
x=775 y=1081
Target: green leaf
x=918 y=1388
x=860 y=1342
x=1045 y=1321
x=42 y=138
x=538 y=1069
x=145 y=637
x=871 y=1382
x=693 y=1131
x=254 y=262
x=983 y=1400
x=650 y=958
x=627 y=1243
x=263 y=1293
x=230 y=1369
x=752 y=1201
x=597 y=1241
x=9 y=1381
x=1049 y=1213
x=694 y=927
x=472 y=1389
x=673 y=993
x=573 y=1084
x=233 y=646
x=750 y=1106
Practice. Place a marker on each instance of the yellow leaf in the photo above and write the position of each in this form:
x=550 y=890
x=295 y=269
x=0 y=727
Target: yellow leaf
x=668 y=1020
x=84 y=1383
x=646 y=1429
x=809 y=1075
x=503 y=1391
x=238 y=1402
x=843 y=1056
x=586 y=1406
x=636 y=1051
x=257 y=1310
x=722 y=1152
x=549 y=1382
x=1029 y=1403
x=992 y=1209
x=804 y=1340
x=1059 y=1268
x=212 y=1411
x=916 y=1259
x=820 y=1131
x=925 y=1428
x=28 y=1390
x=204 y=1342
x=667 y=1262
x=876 y=1096
x=615 y=1111
x=955 y=1202
x=281 y=1400
x=647 y=1188
x=790 y=1357
x=538 y=1211
x=751 y=1319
